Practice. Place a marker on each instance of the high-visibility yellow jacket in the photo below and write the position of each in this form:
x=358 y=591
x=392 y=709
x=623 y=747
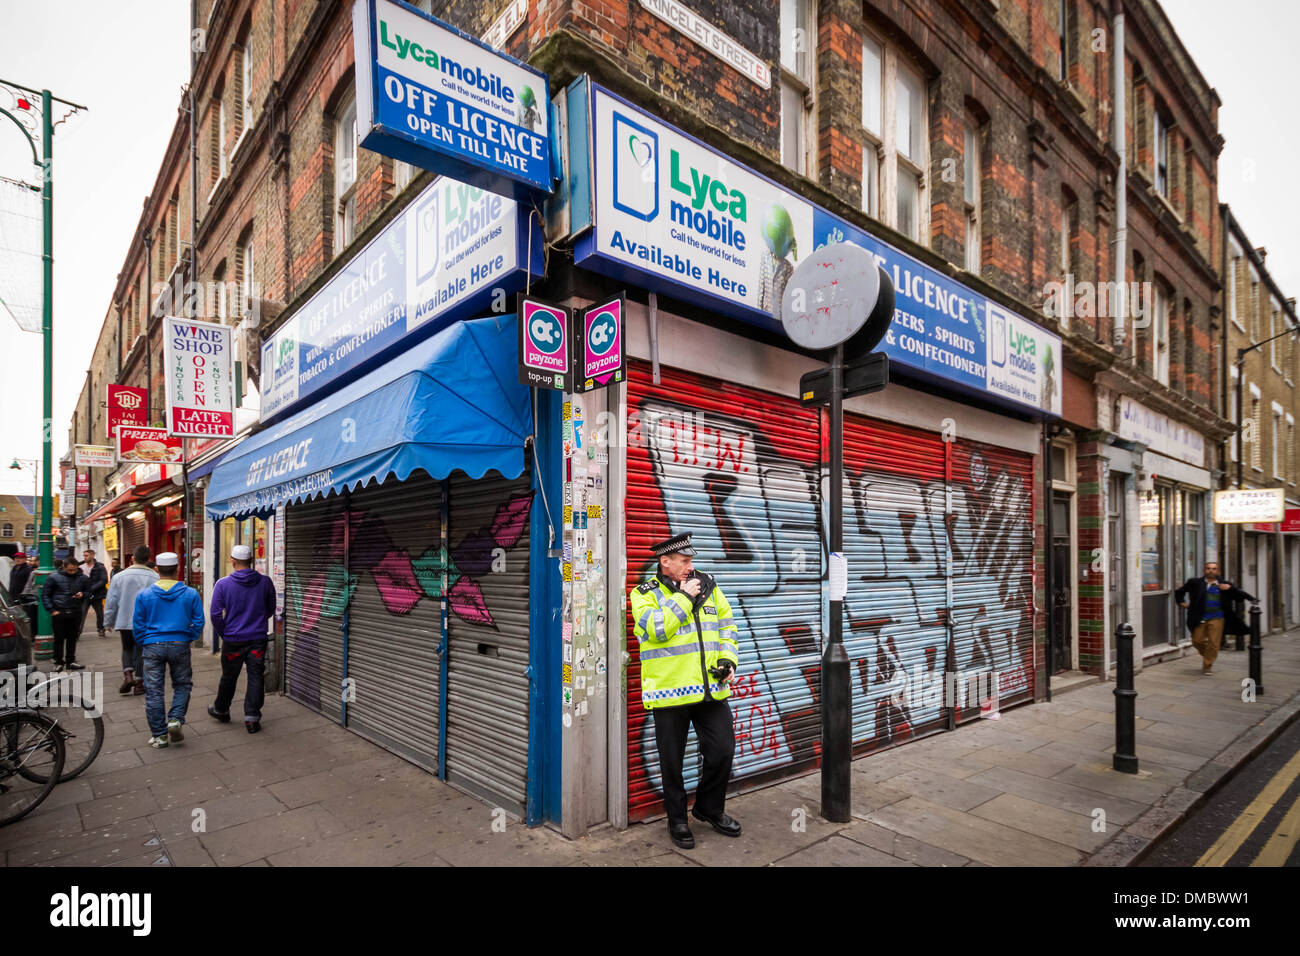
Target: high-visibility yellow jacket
x=679 y=642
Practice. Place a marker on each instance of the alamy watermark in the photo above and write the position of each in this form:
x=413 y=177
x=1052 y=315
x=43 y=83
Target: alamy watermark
x=29 y=688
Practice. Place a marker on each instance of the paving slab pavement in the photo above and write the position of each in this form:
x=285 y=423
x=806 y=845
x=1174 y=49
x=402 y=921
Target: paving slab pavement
x=1033 y=787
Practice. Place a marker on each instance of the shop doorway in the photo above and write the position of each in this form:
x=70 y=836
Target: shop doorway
x=1062 y=585
x=1157 y=567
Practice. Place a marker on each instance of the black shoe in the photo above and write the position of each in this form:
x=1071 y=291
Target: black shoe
x=74 y=666
x=252 y=726
x=217 y=715
x=722 y=823
x=680 y=834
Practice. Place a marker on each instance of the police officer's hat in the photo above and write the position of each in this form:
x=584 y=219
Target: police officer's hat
x=681 y=544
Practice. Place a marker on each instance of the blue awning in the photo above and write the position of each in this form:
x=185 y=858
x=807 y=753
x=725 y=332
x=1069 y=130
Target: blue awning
x=452 y=402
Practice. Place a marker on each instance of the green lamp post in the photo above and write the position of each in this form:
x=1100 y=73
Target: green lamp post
x=26 y=115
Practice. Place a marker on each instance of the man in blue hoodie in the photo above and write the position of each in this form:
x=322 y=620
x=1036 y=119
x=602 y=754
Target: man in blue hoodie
x=242 y=603
x=168 y=618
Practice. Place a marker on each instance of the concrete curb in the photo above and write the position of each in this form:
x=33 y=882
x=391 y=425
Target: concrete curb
x=1140 y=837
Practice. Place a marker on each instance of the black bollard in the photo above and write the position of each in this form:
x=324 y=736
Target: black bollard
x=1256 y=650
x=1126 y=760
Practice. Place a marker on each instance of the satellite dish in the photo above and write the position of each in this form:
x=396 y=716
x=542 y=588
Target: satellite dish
x=831 y=296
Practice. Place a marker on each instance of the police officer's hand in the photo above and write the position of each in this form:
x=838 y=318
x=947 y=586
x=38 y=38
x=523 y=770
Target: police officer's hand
x=691 y=587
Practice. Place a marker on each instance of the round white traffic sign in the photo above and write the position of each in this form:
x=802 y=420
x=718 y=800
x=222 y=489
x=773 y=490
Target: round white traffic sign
x=830 y=296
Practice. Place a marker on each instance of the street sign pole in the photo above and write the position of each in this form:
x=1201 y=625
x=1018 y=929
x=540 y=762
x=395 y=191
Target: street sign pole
x=837 y=708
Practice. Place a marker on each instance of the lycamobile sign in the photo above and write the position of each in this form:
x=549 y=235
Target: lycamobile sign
x=679 y=217
x=455 y=251
x=441 y=100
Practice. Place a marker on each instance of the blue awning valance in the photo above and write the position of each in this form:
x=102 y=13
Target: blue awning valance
x=452 y=402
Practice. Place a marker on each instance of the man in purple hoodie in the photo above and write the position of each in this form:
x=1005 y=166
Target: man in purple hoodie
x=242 y=602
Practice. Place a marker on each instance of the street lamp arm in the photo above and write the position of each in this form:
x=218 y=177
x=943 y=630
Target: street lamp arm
x=1242 y=353
x=30 y=142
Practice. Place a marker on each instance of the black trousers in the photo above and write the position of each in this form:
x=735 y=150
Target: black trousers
x=234 y=656
x=98 y=605
x=714 y=730
x=67 y=625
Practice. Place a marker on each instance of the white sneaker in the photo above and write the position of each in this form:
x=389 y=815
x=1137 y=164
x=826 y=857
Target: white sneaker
x=159 y=743
x=174 y=731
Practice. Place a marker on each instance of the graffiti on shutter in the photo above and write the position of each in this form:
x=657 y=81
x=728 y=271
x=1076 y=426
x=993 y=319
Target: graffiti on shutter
x=742 y=471
x=395 y=564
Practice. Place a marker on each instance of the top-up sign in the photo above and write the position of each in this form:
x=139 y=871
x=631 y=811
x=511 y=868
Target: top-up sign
x=442 y=100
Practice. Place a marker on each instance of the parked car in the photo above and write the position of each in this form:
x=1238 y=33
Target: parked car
x=16 y=642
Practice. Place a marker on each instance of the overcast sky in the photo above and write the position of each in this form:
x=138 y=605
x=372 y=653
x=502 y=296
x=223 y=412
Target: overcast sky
x=127 y=60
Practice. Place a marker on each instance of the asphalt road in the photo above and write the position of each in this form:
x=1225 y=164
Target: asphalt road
x=1254 y=820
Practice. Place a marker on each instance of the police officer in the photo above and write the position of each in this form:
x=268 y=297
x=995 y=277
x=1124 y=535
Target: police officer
x=687 y=639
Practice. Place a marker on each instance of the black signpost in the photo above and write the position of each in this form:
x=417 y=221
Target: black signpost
x=835 y=296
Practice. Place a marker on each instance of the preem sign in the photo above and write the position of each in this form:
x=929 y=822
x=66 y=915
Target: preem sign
x=442 y=100
x=676 y=216
x=454 y=250
x=197 y=369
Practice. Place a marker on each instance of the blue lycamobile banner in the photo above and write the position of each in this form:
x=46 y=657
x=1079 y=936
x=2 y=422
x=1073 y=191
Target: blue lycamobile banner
x=677 y=216
x=457 y=250
x=442 y=100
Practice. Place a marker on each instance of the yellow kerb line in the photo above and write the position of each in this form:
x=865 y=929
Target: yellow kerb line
x=1232 y=838
x=1279 y=846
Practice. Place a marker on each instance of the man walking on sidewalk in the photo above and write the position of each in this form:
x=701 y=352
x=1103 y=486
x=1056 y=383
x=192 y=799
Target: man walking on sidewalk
x=242 y=603
x=94 y=569
x=62 y=595
x=123 y=590
x=1210 y=612
x=168 y=617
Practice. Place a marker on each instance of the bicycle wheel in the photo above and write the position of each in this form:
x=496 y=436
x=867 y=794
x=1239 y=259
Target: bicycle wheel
x=31 y=759
x=83 y=734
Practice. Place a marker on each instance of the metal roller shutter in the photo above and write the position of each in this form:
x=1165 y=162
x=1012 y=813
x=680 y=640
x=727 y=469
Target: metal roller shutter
x=487 y=625
x=739 y=469
x=132 y=532
x=993 y=568
x=315 y=603
x=896 y=545
x=394 y=662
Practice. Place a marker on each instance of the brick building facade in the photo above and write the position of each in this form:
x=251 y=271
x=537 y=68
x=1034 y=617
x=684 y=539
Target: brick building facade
x=978 y=138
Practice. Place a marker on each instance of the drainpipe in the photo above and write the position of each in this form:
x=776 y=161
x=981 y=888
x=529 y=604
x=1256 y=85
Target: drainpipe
x=148 y=321
x=1120 y=142
x=1047 y=561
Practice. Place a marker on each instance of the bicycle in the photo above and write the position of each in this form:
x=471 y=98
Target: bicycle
x=83 y=735
x=31 y=761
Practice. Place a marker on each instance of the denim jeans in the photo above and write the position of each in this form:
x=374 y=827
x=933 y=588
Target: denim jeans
x=158 y=658
x=234 y=656
x=131 y=655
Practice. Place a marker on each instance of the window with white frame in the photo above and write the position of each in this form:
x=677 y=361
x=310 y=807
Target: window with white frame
x=894 y=117
x=1273 y=328
x=1234 y=263
x=1160 y=131
x=873 y=125
x=7 y=530
x=1277 y=440
x=345 y=175
x=246 y=72
x=221 y=138
x=30 y=530
x=1254 y=305
x=247 y=285
x=1257 y=445
x=403 y=173
x=971 y=176
x=797 y=84
x=1291 y=449
x=1160 y=338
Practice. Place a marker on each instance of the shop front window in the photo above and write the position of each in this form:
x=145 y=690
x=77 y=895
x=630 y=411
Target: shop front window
x=249 y=531
x=1153 y=543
